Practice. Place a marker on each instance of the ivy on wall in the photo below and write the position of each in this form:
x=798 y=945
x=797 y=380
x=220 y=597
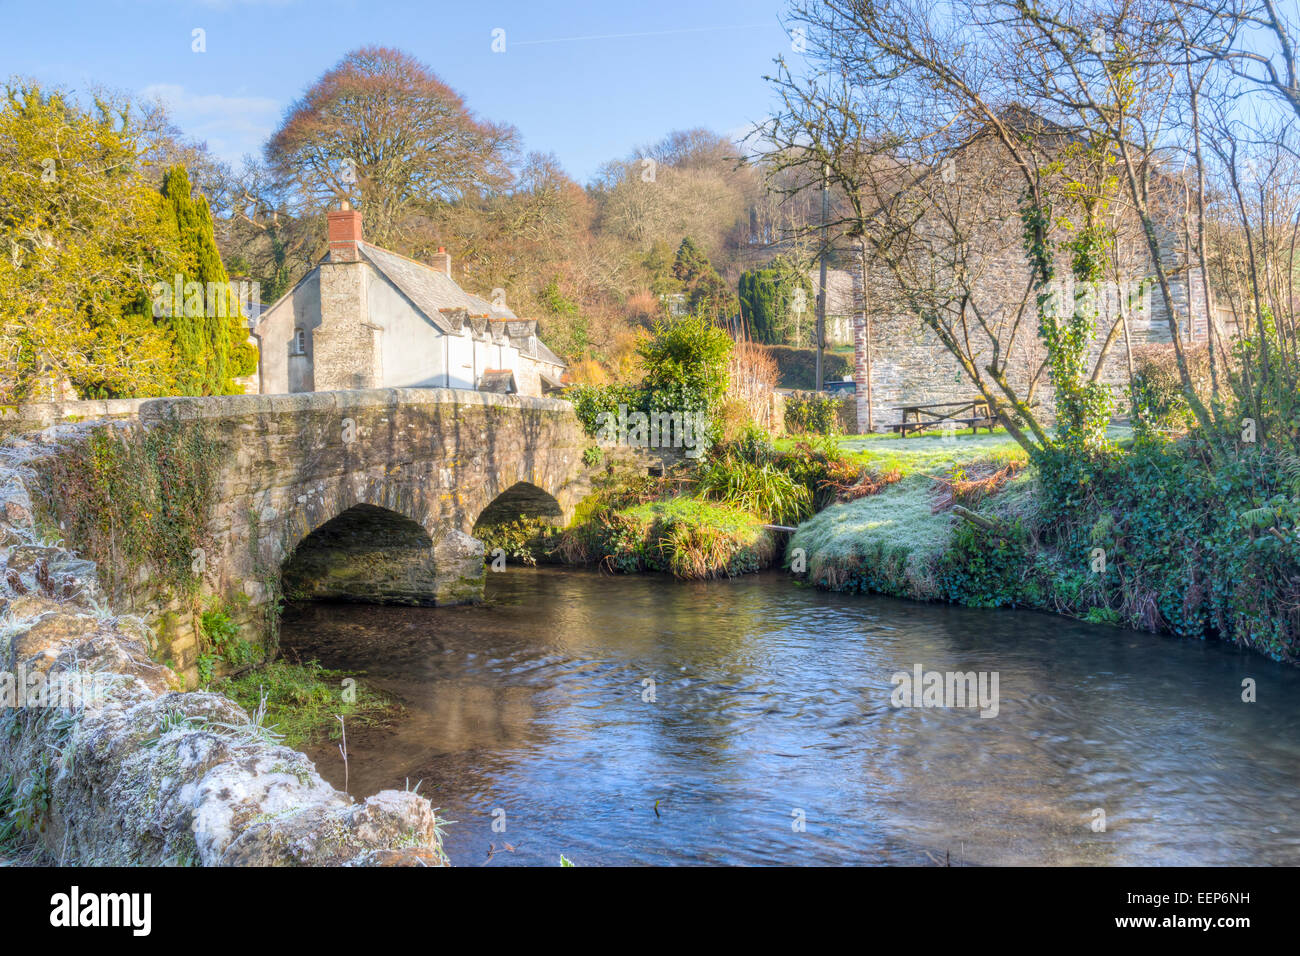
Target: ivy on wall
x=138 y=499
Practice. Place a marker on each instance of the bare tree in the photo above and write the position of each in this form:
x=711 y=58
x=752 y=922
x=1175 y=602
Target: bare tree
x=382 y=130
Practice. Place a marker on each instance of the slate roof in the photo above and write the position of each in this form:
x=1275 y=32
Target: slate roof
x=431 y=291
x=539 y=350
x=427 y=288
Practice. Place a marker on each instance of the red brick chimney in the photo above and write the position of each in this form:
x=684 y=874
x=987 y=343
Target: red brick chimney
x=441 y=261
x=345 y=233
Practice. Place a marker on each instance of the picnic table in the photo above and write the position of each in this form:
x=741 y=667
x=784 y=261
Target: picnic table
x=972 y=412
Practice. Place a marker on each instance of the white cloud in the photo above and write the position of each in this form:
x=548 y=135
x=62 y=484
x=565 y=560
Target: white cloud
x=231 y=125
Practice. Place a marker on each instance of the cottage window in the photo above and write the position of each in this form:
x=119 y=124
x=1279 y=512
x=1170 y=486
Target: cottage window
x=299 y=342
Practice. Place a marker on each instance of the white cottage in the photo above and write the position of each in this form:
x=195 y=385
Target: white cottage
x=369 y=318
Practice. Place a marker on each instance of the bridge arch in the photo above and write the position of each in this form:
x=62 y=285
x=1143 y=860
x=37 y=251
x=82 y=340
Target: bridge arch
x=283 y=467
x=523 y=499
x=366 y=553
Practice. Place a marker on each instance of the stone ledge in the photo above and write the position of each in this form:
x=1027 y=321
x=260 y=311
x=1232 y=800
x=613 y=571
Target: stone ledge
x=38 y=416
x=231 y=406
x=44 y=414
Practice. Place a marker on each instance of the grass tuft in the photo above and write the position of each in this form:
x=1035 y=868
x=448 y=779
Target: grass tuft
x=301 y=702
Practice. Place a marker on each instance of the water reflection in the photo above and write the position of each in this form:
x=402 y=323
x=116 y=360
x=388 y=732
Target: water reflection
x=771 y=698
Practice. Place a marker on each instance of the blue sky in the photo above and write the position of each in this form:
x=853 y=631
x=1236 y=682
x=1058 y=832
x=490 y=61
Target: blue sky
x=587 y=100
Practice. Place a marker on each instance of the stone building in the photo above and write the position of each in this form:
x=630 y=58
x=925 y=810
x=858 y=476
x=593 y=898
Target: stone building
x=842 y=291
x=370 y=318
x=973 y=267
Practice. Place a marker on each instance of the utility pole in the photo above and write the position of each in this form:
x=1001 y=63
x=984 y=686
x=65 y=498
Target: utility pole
x=821 y=292
x=866 y=332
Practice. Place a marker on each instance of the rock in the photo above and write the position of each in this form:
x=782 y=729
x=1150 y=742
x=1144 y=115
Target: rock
x=144 y=775
x=39 y=645
x=399 y=827
x=15 y=513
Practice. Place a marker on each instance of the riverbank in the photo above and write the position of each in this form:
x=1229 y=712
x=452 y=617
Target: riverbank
x=892 y=542
x=121 y=768
x=722 y=516
x=1142 y=535
x=1145 y=536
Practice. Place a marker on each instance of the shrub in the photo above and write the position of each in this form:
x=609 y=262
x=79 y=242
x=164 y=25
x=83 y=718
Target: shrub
x=987 y=568
x=683 y=536
x=590 y=400
x=813 y=413
x=822 y=468
x=686 y=364
x=526 y=539
x=1157 y=392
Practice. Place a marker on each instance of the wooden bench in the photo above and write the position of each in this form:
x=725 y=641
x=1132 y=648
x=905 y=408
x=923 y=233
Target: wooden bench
x=971 y=413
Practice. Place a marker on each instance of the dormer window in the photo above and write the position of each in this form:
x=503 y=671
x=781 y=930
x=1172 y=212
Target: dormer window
x=299 y=342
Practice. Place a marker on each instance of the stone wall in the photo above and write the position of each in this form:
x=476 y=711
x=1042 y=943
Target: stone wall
x=34 y=419
x=130 y=772
x=966 y=263
x=289 y=464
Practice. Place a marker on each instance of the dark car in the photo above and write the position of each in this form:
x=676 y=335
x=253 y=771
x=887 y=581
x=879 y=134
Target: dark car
x=845 y=387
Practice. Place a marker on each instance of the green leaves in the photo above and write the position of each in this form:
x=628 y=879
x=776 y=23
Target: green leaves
x=767 y=299
x=761 y=489
x=816 y=413
x=686 y=364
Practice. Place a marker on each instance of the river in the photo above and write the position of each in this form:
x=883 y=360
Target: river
x=641 y=720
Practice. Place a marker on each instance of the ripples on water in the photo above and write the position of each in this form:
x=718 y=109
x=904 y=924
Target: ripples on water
x=772 y=697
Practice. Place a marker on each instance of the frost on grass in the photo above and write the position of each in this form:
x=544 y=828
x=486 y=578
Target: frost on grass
x=891 y=541
x=892 y=533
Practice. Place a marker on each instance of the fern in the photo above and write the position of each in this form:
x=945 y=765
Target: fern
x=1289 y=466
x=1258 y=519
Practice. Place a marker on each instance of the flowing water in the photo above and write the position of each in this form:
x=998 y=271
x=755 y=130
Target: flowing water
x=768 y=734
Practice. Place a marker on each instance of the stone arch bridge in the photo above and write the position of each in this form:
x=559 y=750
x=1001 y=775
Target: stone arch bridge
x=367 y=495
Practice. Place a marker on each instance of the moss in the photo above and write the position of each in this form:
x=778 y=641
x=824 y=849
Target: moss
x=297 y=771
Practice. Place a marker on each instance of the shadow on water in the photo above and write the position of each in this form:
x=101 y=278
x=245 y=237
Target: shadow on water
x=770 y=703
